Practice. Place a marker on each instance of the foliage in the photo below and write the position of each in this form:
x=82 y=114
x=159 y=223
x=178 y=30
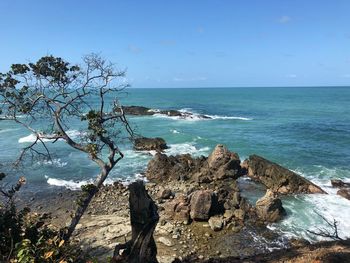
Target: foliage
x=52 y=91
x=24 y=236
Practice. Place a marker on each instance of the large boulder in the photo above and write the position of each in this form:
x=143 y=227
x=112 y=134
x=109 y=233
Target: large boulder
x=223 y=163
x=279 y=179
x=149 y=144
x=179 y=167
x=202 y=202
x=269 y=208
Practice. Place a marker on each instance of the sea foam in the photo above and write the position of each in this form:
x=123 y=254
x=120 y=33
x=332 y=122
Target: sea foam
x=32 y=137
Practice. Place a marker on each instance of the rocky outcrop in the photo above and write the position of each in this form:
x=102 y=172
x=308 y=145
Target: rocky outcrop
x=339 y=183
x=179 y=167
x=269 y=208
x=144 y=111
x=137 y=110
x=221 y=164
x=279 y=179
x=149 y=144
x=344 y=192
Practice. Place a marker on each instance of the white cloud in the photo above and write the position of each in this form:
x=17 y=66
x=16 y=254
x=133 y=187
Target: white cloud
x=284 y=19
x=291 y=76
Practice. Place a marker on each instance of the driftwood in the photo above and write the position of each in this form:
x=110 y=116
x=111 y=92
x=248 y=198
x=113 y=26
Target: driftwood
x=144 y=218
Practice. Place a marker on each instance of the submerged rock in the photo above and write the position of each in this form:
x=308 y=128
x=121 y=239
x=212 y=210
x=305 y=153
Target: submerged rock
x=279 y=179
x=269 y=208
x=149 y=144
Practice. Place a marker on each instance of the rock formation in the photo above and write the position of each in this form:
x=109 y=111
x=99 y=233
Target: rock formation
x=144 y=111
x=269 y=208
x=279 y=179
x=220 y=164
x=149 y=144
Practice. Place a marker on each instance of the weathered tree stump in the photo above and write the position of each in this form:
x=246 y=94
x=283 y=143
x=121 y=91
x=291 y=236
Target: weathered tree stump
x=144 y=218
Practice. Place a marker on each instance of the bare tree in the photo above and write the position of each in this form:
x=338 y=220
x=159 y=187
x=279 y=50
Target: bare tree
x=45 y=96
x=330 y=232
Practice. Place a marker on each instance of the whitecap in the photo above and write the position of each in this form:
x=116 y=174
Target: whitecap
x=184 y=148
x=32 y=137
x=218 y=117
x=55 y=162
x=69 y=184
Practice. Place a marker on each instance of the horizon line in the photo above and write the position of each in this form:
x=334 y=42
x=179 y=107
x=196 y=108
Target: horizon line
x=234 y=87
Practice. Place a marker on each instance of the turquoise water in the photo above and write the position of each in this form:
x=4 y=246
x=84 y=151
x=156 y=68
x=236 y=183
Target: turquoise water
x=304 y=129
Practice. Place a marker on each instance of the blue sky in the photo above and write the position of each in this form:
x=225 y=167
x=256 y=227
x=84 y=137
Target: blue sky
x=188 y=43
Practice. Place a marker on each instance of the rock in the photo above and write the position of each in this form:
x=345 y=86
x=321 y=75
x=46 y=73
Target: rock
x=149 y=144
x=144 y=111
x=216 y=223
x=239 y=214
x=165 y=194
x=179 y=167
x=344 y=193
x=221 y=164
x=166 y=241
x=339 y=183
x=269 y=208
x=137 y=110
x=279 y=179
x=221 y=156
x=178 y=209
x=201 y=204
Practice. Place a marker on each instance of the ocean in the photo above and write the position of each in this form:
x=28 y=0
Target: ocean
x=304 y=129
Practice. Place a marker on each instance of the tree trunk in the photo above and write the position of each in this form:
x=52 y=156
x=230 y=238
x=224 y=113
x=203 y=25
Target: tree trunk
x=144 y=218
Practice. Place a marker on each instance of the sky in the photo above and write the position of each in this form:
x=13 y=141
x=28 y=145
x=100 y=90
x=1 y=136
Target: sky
x=182 y=43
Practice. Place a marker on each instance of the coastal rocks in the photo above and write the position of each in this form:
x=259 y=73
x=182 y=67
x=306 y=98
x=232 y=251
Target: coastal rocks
x=279 y=179
x=221 y=164
x=269 y=208
x=224 y=164
x=144 y=111
x=339 y=183
x=149 y=144
x=201 y=204
x=137 y=110
x=344 y=192
x=179 y=167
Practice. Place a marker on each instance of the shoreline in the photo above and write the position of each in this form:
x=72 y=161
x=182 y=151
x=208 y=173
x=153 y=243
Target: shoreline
x=106 y=223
